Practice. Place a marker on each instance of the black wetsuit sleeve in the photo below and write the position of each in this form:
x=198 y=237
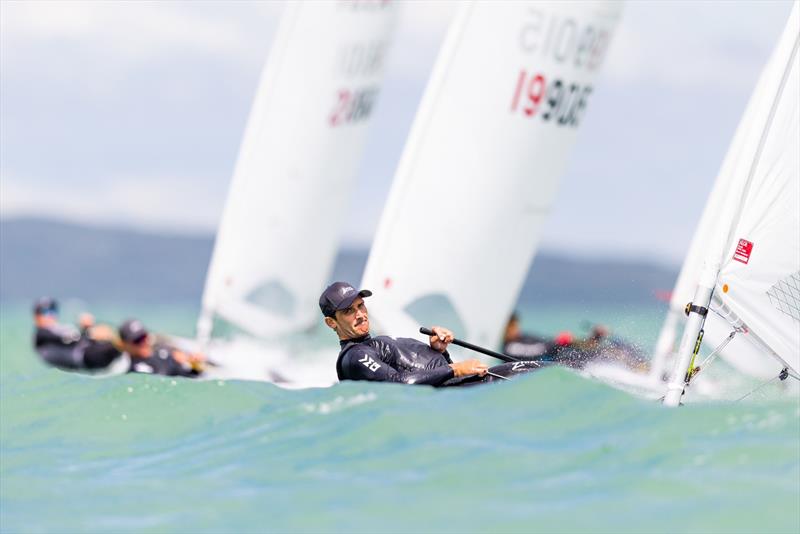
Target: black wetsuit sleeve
x=162 y=362
x=176 y=368
x=59 y=348
x=185 y=370
x=46 y=336
x=181 y=371
x=363 y=363
x=447 y=357
x=99 y=354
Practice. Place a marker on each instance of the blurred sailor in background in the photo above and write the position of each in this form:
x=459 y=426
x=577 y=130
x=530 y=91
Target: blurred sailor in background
x=567 y=350
x=89 y=348
x=154 y=356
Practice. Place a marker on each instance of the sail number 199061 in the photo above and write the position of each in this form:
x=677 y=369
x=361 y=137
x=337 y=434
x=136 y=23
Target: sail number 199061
x=555 y=38
x=556 y=100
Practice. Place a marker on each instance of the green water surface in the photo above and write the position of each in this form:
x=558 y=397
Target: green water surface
x=553 y=452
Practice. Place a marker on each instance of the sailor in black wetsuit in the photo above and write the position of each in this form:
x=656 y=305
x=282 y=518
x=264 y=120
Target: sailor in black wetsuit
x=565 y=350
x=405 y=360
x=67 y=348
x=156 y=358
x=525 y=346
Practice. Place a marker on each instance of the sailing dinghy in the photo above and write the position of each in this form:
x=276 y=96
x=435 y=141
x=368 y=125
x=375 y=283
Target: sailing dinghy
x=741 y=277
x=305 y=136
x=479 y=173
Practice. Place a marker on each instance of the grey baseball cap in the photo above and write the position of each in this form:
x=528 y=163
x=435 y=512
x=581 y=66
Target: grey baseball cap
x=132 y=331
x=44 y=305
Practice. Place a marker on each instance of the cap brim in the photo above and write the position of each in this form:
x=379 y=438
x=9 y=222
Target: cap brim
x=133 y=338
x=346 y=303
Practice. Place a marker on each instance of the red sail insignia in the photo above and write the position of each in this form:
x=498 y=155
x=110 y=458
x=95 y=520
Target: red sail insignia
x=743 y=251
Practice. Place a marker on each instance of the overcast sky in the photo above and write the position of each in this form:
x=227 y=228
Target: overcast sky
x=131 y=113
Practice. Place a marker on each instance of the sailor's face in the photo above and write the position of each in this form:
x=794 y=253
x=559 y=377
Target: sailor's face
x=353 y=321
x=512 y=330
x=141 y=348
x=46 y=320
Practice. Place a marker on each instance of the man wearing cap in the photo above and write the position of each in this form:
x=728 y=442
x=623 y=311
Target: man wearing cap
x=383 y=358
x=151 y=357
x=62 y=346
x=520 y=345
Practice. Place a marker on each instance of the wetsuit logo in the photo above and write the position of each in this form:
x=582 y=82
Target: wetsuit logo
x=142 y=367
x=370 y=364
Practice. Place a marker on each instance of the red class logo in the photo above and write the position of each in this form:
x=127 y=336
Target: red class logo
x=743 y=250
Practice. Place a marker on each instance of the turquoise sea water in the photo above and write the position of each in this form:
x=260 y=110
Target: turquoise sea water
x=553 y=452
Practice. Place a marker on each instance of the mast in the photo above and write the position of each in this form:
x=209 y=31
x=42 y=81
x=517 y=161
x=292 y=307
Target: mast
x=692 y=336
x=665 y=345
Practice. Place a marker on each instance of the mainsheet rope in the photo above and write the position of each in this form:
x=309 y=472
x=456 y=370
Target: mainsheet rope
x=722 y=345
x=783 y=375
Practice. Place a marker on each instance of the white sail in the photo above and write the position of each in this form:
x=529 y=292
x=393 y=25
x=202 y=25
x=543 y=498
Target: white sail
x=760 y=274
x=481 y=167
x=305 y=136
x=714 y=222
x=751 y=226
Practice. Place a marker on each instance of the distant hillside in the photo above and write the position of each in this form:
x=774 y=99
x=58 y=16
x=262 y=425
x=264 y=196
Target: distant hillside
x=556 y=278
x=39 y=257
x=67 y=260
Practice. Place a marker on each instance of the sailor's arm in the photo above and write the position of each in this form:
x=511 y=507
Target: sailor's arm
x=188 y=358
x=100 y=332
x=363 y=363
x=60 y=336
x=178 y=367
x=439 y=341
x=441 y=338
x=469 y=368
x=192 y=362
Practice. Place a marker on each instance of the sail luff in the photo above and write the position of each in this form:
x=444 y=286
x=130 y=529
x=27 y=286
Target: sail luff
x=761 y=143
x=259 y=111
x=665 y=344
x=401 y=185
